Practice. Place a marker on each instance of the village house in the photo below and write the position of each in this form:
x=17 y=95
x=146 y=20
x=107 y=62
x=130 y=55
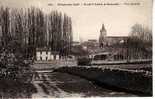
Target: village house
x=45 y=54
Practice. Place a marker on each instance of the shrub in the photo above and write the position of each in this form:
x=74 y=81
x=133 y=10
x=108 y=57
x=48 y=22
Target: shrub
x=13 y=66
x=84 y=61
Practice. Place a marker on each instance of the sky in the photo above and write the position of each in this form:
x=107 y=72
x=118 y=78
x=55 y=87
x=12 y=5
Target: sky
x=87 y=20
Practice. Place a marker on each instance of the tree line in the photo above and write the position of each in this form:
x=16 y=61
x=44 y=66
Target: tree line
x=31 y=28
x=139 y=42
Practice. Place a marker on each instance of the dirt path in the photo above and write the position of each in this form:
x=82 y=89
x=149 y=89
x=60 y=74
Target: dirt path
x=40 y=93
x=49 y=89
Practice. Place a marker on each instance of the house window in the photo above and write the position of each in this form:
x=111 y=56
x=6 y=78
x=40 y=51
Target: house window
x=40 y=58
x=40 y=52
x=46 y=52
x=46 y=58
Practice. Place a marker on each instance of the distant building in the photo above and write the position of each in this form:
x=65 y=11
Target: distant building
x=109 y=53
x=105 y=40
x=45 y=54
x=92 y=40
x=100 y=56
x=90 y=45
x=114 y=40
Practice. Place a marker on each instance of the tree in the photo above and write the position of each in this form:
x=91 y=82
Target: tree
x=141 y=33
x=32 y=28
x=139 y=42
x=5 y=24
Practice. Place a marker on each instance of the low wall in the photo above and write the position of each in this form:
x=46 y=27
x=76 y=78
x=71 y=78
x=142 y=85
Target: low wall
x=137 y=82
x=58 y=62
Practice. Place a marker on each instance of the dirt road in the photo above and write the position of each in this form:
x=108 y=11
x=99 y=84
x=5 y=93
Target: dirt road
x=57 y=84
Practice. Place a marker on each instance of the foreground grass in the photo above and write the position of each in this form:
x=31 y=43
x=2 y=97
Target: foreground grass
x=16 y=89
x=137 y=82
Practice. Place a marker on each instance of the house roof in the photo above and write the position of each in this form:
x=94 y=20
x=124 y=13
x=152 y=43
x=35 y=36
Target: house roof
x=43 y=49
x=47 y=49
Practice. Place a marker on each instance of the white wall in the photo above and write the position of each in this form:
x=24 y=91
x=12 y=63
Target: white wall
x=45 y=55
x=38 y=56
x=57 y=57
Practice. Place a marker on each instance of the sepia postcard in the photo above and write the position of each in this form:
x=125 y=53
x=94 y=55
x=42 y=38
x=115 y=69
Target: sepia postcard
x=75 y=48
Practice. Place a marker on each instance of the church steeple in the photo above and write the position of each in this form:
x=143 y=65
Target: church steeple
x=103 y=34
x=103 y=30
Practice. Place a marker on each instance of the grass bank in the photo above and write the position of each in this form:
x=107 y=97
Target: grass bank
x=115 y=79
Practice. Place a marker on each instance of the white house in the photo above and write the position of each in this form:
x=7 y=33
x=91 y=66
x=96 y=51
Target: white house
x=45 y=54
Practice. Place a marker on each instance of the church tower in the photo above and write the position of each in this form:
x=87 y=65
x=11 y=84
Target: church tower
x=103 y=34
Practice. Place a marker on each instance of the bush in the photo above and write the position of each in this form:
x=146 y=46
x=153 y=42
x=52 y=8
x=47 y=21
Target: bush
x=84 y=61
x=13 y=67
